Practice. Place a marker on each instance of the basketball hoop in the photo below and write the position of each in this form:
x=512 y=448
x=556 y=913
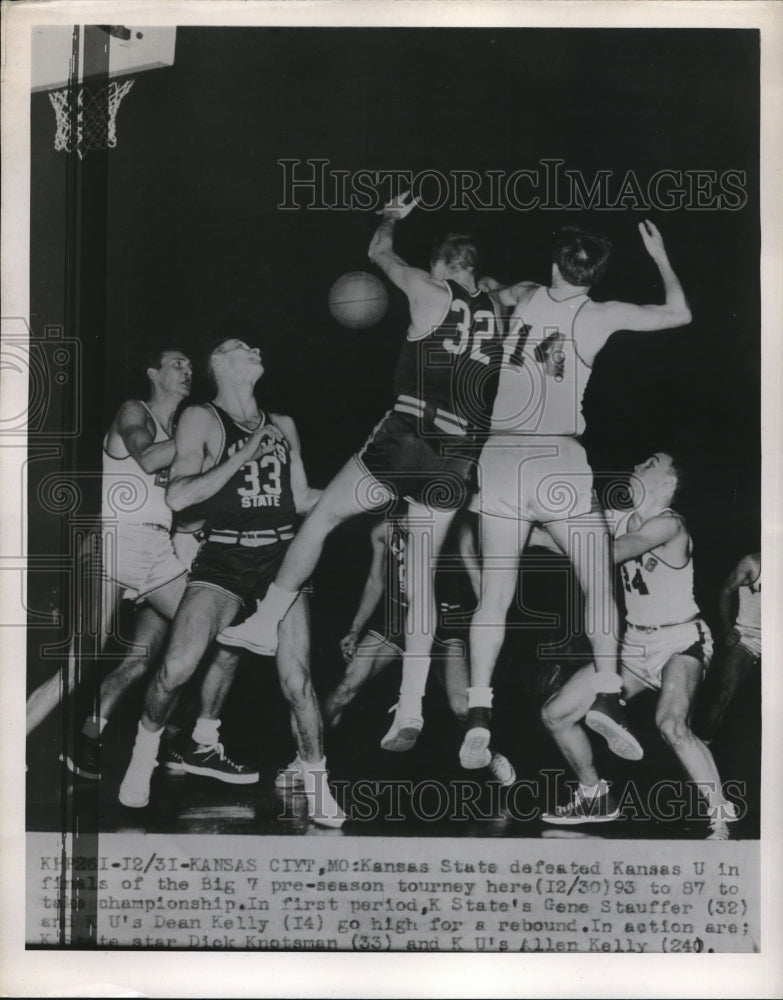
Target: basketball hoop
x=87 y=119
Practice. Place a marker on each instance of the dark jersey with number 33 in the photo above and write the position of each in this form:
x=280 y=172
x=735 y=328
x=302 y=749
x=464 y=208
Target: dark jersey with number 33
x=457 y=364
x=259 y=495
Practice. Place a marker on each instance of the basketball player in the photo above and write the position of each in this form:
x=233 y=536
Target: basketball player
x=140 y=554
x=534 y=470
x=666 y=646
x=377 y=634
x=243 y=468
x=379 y=619
x=739 y=607
x=424 y=450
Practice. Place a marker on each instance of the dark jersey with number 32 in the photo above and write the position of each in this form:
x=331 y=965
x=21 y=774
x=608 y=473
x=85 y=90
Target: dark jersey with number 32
x=457 y=364
x=259 y=495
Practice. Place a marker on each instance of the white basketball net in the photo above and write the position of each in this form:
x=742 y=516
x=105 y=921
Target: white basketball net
x=94 y=125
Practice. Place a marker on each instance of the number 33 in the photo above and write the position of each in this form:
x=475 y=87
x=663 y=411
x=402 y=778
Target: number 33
x=253 y=477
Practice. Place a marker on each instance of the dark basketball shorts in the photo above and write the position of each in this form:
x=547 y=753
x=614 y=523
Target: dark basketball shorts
x=453 y=626
x=455 y=602
x=436 y=470
x=388 y=625
x=240 y=571
x=389 y=628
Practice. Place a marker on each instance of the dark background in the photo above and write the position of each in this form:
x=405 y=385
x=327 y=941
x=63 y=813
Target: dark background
x=195 y=245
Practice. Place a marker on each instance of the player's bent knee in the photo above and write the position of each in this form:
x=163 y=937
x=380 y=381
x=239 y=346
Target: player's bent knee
x=297 y=690
x=136 y=668
x=225 y=660
x=345 y=691
x=174 y=672
x=552 y=715
x=673 y=729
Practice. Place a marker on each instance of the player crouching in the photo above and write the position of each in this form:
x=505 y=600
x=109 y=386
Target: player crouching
x=666 y=647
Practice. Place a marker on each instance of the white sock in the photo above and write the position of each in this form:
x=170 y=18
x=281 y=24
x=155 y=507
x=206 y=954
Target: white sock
x=591 y=791
x=205 y=732
x=321 y=804
x=277 y=602
x=725 y=811
x=607 y=682
x=312 y=765
x=479 y=697
x=147 y=742
x=415 y=671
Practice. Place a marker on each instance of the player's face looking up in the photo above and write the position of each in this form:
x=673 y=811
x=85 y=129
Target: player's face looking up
x=235 y=357
x=656 y=471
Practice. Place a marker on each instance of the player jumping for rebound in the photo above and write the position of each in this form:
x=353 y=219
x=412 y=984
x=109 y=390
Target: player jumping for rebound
x=424 y=450
x=534 y=469
x=666 y=647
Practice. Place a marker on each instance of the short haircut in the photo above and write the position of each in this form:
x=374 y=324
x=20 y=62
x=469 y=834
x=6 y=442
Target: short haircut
x=215 y=344
x=458 y=250
x=580 y=256
x=153 y=356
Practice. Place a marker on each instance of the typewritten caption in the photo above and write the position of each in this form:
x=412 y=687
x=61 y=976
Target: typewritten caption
x=299 y=894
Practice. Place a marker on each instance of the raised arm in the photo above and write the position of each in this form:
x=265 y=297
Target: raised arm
x=374 y=587
x=305 y=497
x=133 y=427
x=674 y=311
x=426 y=297
x=189 y=482
x=381 y=251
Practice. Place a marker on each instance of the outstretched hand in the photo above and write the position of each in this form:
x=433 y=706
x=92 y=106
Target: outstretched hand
x=398 y=207
x=652 y=239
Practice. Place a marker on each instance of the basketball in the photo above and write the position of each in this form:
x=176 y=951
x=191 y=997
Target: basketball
x=358 y=300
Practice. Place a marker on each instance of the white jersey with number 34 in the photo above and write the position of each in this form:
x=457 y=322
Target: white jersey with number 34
x=543 y=378
x=656 y=592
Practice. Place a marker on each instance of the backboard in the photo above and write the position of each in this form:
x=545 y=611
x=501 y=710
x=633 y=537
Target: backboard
x=131 y=49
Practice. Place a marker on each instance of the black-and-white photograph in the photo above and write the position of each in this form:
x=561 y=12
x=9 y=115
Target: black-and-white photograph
x=392 y=478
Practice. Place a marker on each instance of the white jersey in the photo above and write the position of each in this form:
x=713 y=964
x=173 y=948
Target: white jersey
x=656 y=593
x=131 y=494
x=543 y=378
